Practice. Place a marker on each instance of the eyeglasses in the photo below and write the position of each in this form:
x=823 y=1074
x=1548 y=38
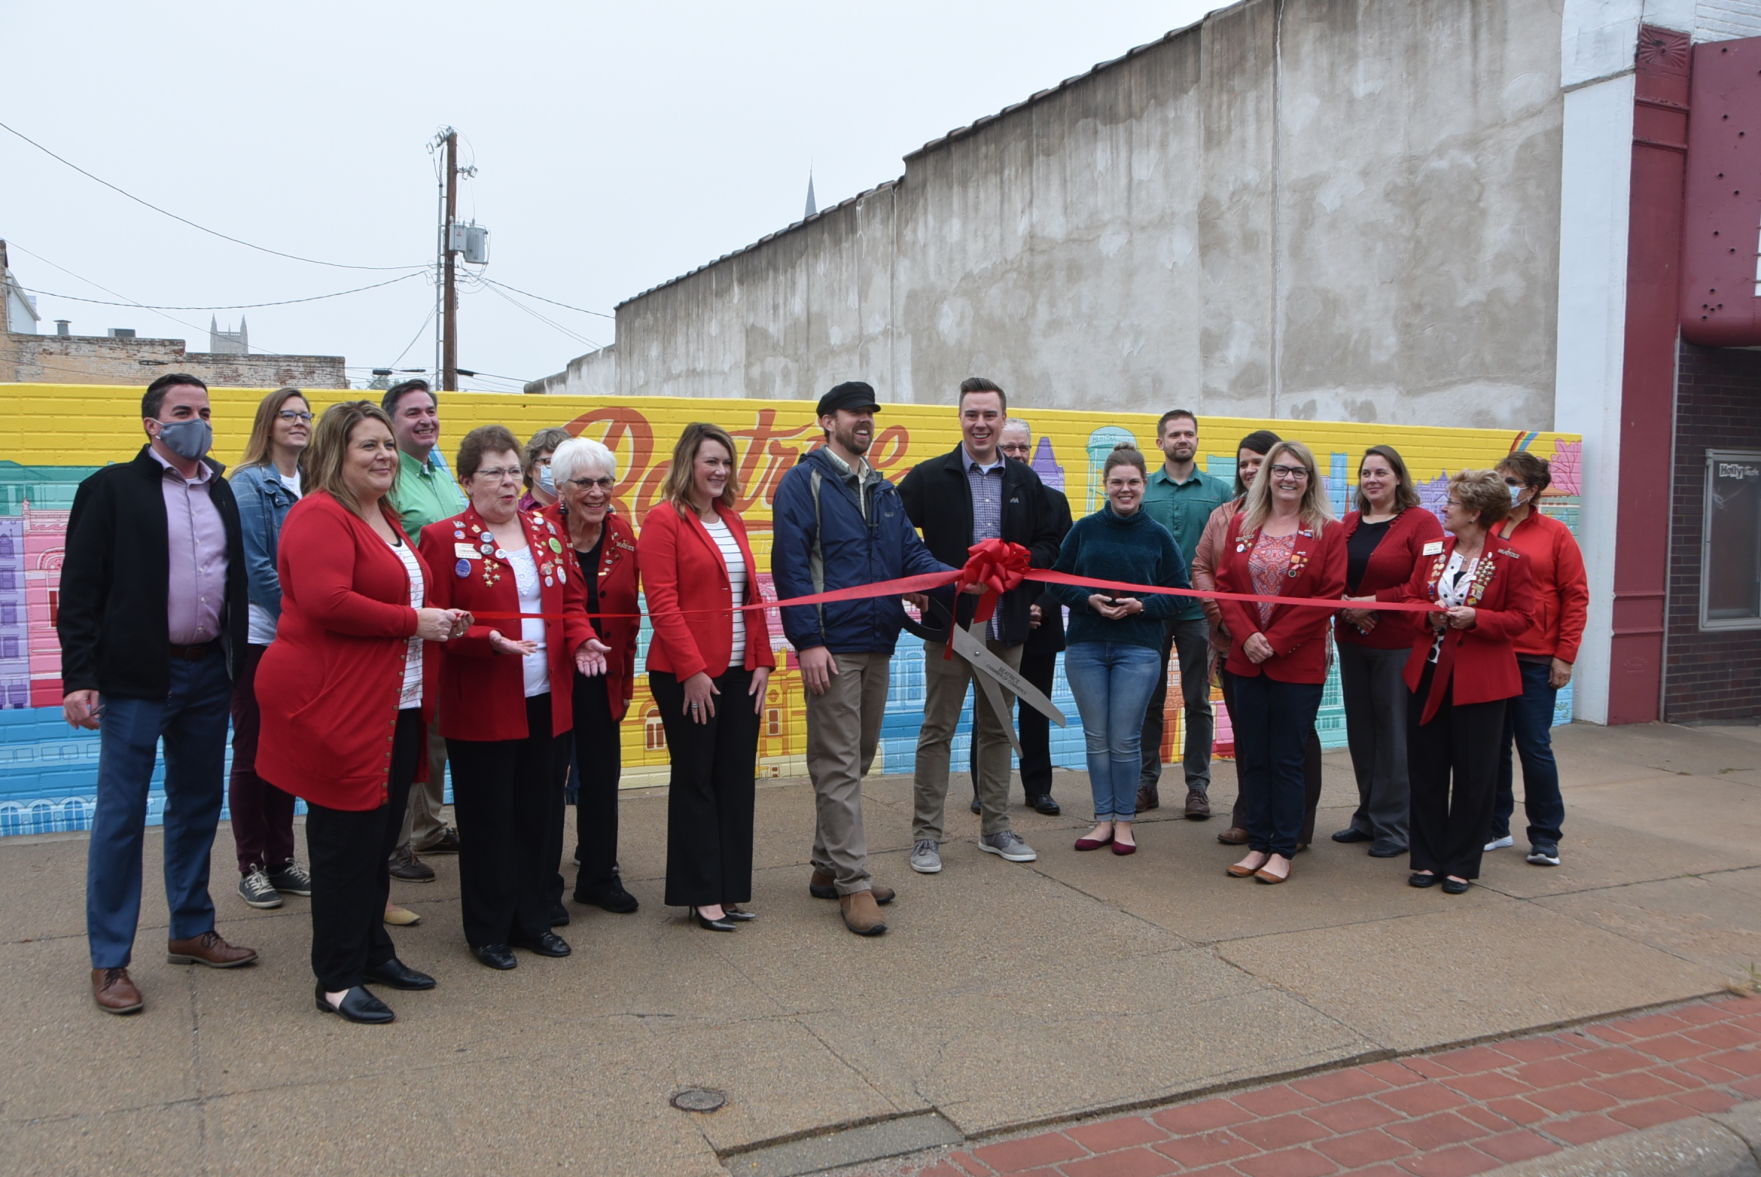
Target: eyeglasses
x=1016 y=447
x=499 y=473
x=590 y=483
x=1294 y=473
x=295 y=415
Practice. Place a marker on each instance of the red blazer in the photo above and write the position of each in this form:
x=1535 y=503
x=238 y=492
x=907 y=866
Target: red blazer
x=482 y=693
x=619 y=583
x=1298 y=633
x=1480 y=663
x=684 y=574
x=1390 y=567
x=1562 y=590
x=329 y=683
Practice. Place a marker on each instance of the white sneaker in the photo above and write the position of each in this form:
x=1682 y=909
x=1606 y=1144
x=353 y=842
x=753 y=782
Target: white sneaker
x=1501 y=843
x=1009 y=845
x=926 y=858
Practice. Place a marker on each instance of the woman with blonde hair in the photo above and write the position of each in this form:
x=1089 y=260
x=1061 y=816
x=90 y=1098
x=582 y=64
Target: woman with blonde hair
x=708 y=664
x=1284 y=543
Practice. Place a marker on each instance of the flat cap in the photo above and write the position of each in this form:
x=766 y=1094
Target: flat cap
x=852 y=394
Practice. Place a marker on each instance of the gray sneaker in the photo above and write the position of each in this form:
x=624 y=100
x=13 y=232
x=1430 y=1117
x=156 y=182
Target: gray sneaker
x=1009 y=844
x=256 y=890
x=926 y=858
x=292 y=879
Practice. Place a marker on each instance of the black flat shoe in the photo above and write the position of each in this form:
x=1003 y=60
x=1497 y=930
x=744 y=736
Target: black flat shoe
x=1420 y=879
x=357 y=1005
x=546 y=944
x=559 y=916
x=1388 y=850
x=722 y=925
x=1456 y=886
x=612 y=898
x=1350 y=834
x=397 y=975
x=496 y=956
x=1044 y=804
x=735 y=912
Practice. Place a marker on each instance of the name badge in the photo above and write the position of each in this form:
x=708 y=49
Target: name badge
x=465 y=551
x=1434 y=548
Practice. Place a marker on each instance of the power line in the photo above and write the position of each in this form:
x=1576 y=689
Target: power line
x=553 y=302
x=241 y=306
x=185 y=220
x=495 y=289
x=426 y=319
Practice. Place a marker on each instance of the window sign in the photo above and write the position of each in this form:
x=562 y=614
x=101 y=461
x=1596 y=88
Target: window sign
x=1730 y=551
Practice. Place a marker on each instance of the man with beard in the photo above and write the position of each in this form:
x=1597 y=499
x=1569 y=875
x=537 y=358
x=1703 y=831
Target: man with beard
x=1181 y=498
x=839 y=524
x=426 y=492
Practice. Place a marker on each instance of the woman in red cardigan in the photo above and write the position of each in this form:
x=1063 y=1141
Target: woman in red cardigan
x=1383 y=539
x=1284 y=543
x=349 y=687
x=605 y=548
x=708 y=665
x=505 y=702
x=1462 y=670
x=1545 y=653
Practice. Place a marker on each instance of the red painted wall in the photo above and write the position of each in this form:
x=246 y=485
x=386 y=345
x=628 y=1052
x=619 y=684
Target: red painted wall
x=1719 y=306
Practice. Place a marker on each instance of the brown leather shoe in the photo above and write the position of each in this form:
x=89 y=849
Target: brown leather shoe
x=1148 y=798
x=1233 y=836
x=1198 y=806
x=114 y=993
x=208 y=949
x=861 y=913
x=823 y=885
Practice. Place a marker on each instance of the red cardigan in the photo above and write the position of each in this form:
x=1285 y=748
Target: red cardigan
x=1480 y=662
x=1390 y=567
x=330 y=681
x=1298 y=633
x=687 y=582
x=482 y=693
x=1562 y=591
x=618 y=586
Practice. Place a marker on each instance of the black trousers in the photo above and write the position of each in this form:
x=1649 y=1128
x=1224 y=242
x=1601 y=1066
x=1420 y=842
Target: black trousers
x=599 y=759
x=1039 y=667
x=351 y=878
x=1244 y=782
x=508 y=795
x=1452 y=763
x=1273 y=725
x=712 y=792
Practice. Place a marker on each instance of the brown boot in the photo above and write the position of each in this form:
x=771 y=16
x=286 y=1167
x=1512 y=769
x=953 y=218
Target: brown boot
x=209 y=949
x=1148 y=798
x=114 y=993
x=861 y=914
x=1234 y=836
x=821 y=885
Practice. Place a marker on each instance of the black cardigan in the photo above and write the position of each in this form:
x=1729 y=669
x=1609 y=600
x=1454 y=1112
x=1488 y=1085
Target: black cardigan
x=939 y=501
x=116 y=576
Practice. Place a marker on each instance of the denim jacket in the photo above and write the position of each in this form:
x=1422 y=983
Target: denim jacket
x=263 y=504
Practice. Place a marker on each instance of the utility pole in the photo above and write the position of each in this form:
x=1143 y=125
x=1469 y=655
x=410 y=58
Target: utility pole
x=449 y=360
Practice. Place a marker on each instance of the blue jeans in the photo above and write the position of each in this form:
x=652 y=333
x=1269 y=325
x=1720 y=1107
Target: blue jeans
x=1528 y=724
x=1112 y=682
x=1273 y=721
x=191 y=719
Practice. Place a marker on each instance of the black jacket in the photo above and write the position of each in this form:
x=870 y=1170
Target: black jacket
x=939 y=502
x=115 y=577
x=1049 y=637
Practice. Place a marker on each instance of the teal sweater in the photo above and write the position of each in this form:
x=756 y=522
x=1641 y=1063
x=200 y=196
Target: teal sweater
x=1132 y=548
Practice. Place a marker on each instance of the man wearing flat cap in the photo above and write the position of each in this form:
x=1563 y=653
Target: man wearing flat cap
x=839 y=524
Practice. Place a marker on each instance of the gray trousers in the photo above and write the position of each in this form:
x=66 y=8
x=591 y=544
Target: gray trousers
x=945 y=681
x=843 y=733
x=1191 y=638
x=1375 y=730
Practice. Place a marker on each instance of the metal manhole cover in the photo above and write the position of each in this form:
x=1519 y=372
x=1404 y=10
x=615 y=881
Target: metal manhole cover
x=699 y=1099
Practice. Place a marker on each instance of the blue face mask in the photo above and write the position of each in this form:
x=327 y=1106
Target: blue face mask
x=1516 y=494
x=547 y=480
x=189 y=439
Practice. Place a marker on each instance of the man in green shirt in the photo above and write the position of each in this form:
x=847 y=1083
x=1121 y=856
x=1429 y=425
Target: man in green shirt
x=426 y=492
x=1181 y=497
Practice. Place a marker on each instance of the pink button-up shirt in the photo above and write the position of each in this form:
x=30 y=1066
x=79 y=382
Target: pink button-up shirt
x=196 y=542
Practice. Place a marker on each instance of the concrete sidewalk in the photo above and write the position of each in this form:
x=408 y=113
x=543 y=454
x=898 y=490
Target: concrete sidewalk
x=1006 y=997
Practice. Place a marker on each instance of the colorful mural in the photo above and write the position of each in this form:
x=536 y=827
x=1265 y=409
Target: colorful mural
x=56 y=435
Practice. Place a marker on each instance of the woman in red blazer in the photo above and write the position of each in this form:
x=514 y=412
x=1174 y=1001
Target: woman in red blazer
x=1383 y=541
x=708 y=665
x=605 y=549
x=348 y=687
x=505 y=702
x=1286 y=543
x=1462 y=670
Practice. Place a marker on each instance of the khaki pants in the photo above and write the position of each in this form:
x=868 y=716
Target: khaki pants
x=843 y=732
x=945 y=681
x=422 y=816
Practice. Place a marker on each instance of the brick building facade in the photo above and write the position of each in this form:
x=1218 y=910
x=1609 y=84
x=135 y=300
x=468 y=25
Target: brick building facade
x=103 y=359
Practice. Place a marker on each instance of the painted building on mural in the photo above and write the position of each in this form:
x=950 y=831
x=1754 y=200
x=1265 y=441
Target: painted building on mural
x=47 y=769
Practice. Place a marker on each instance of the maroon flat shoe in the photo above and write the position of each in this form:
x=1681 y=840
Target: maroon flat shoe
x=1124 y=848
x=1093 y=843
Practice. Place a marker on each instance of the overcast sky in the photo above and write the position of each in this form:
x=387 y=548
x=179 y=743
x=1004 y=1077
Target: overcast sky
x=617 y=146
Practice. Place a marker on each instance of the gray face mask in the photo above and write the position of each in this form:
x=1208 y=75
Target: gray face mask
x=189 y=439
x=546 y=480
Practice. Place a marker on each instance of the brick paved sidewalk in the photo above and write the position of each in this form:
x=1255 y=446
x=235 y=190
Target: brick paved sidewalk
x=1446 y=1114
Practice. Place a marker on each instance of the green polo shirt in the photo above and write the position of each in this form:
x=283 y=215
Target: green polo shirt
x=1183 y=508
x=425 y=493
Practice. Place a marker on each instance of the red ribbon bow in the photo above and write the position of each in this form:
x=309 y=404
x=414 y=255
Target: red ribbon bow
x=997 y=566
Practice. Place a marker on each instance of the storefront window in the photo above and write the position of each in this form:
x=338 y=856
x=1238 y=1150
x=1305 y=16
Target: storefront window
x=1730 y=548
